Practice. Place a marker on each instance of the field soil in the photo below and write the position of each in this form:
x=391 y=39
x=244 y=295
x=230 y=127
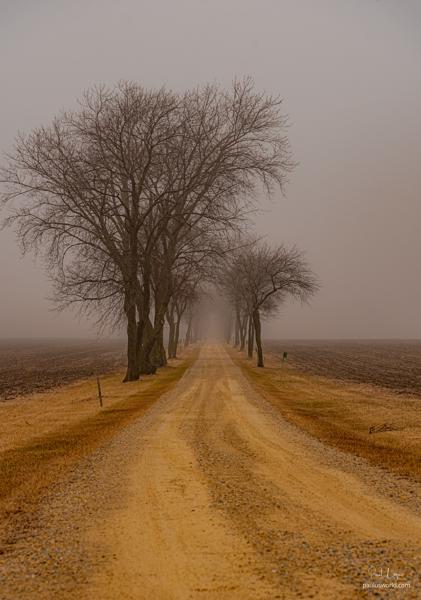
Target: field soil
x=211 y=493
x=394 y=365
x=28 y=366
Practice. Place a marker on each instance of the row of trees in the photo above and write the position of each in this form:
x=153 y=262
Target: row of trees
x=257 y=280
x=132 y=198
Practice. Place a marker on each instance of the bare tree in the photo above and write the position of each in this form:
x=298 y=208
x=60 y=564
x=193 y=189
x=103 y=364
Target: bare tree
x=264 y=277
x=83 y=189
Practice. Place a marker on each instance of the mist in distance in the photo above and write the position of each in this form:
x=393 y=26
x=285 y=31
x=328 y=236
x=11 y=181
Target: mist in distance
x=350 y=78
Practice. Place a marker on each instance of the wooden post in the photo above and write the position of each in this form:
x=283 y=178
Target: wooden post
x=99 y=391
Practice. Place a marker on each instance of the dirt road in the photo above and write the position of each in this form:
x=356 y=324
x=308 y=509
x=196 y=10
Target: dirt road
x=212 y=495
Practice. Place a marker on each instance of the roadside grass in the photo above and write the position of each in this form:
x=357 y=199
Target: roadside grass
x=341 y=414
x=34 y=457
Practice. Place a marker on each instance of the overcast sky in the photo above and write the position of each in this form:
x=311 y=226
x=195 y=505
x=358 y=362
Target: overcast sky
x=350 y=75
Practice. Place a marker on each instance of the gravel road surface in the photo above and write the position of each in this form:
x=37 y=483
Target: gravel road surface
x=211 y=495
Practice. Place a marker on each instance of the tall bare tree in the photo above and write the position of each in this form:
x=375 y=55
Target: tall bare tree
x=264 y=277
x=82 y=185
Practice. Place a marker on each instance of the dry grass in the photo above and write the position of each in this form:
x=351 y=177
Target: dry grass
x=45 y=435
x=342 y=414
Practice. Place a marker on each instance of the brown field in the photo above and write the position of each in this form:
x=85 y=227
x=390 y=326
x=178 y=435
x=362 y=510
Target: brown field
x=395 y=365
x=28 y=366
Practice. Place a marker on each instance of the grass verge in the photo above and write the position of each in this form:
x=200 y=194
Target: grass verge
x=341 y=414
x=34 y=462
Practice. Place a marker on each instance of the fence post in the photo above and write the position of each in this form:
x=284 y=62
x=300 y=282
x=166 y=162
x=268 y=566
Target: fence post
x=99 y=391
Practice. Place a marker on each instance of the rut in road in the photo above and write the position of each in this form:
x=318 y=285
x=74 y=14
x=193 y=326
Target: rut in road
x=226 y=503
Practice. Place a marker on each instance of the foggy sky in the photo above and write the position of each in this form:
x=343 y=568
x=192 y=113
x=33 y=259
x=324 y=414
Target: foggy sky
x=350 y=75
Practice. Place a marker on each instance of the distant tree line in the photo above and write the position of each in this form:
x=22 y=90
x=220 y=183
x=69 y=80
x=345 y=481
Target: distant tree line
x=135 y=198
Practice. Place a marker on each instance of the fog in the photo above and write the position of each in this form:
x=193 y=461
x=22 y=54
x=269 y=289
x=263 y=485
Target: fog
x=350 y=76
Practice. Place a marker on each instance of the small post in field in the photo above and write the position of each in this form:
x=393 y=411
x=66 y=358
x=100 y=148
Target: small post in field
x=99 y=391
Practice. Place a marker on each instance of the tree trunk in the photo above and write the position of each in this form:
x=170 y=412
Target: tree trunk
x=258 y=333
x=187 y=341
x=176 y=336
x=154 y=348
x=132 y=372
x=153 y=351
x=171 y=334
x=158 y=354
x=146 y=365
x=145 y=328
x=237 y=327
x=243 y=332
x=250 y=342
